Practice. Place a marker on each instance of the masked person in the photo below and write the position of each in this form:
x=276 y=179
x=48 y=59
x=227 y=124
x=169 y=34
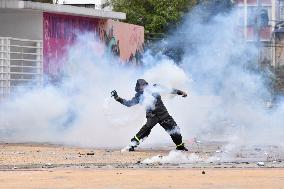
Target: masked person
x=157 y=113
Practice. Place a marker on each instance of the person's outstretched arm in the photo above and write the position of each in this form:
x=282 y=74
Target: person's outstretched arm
x=179 y=92
x=128 y=103
x=174 y=91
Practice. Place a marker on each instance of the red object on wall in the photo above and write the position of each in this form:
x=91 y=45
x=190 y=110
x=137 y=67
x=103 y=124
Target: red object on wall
x=261 y=2
x=265 y=33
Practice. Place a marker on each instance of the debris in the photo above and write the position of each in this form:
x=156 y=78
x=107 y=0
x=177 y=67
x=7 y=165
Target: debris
x=203 y=172
x=125 y=149
x=257 y=149
x=260 y=164
x=239 y=155
x=90 y=153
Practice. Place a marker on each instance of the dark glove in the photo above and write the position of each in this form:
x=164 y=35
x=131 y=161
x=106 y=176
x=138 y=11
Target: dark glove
x=116 y=97
x=179 y=92
x=184 y=94
x=114 y=94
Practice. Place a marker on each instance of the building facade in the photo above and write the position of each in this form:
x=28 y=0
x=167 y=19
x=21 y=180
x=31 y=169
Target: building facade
x=257 y=23
x=262 y=23
x=34 y=38
x=278 y=35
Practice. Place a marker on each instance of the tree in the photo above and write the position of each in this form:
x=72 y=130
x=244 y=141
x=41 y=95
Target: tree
x=211 y=8
x=205 y=11
x=157 y=16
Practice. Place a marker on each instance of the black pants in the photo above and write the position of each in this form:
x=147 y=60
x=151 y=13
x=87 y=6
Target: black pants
x=167 y=123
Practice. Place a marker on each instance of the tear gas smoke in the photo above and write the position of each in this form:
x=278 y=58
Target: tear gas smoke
x=174 y=157
x=223 y=65
x=80 y=110
x=226 y=95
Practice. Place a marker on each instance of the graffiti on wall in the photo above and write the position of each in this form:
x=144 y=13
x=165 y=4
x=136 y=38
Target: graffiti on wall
x=59 y=32
x=124 y=40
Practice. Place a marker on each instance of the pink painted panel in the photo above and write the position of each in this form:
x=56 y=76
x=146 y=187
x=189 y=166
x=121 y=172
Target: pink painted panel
x=59 y=32
x=130 y=38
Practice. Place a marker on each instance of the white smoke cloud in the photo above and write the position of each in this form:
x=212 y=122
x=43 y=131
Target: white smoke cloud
x=224 y=68
x=80 y=111
x=174 y=157
x=226 y=98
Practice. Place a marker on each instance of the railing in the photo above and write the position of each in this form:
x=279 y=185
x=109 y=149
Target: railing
x=20 y=64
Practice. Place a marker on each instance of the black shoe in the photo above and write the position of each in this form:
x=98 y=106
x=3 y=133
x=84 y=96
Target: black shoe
x=182 y=148
x=131 y=149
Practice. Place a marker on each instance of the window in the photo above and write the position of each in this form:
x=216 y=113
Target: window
x=258 y=16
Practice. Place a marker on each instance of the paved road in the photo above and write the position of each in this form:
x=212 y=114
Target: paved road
x=143 y=179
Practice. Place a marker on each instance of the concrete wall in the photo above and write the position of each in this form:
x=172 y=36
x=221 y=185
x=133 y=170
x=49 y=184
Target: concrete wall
x=21 y=24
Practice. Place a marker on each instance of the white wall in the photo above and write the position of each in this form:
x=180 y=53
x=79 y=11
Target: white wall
x=80 y=1
x=98 y=3
x=21 y=24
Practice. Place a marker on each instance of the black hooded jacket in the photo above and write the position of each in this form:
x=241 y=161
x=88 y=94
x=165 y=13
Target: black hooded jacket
x=159 y=108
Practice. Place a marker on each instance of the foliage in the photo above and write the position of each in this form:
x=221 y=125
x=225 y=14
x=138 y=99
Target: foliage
x=155 y=15
x=211 y=8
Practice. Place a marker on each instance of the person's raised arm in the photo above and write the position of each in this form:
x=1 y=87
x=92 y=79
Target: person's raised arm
x=128 y=103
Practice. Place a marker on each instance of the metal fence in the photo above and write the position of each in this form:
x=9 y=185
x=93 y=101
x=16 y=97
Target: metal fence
x=20 y=64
